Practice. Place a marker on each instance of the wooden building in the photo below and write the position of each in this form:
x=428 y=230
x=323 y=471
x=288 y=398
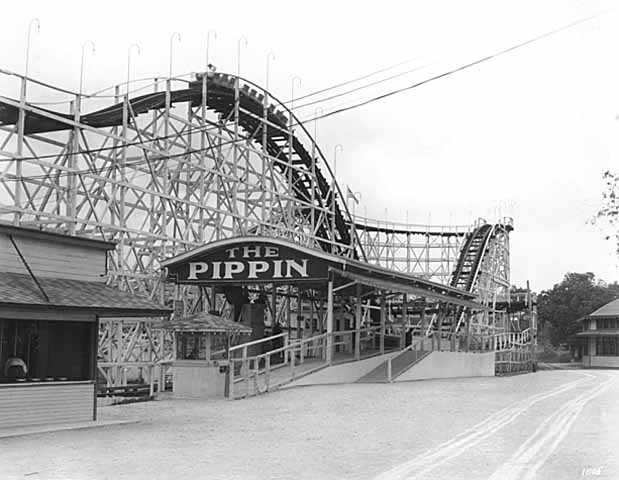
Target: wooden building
x=52 y=294
x=202 y=344
x=600 y=337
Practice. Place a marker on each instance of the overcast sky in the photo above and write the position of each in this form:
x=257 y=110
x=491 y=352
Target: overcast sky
x=527 y=134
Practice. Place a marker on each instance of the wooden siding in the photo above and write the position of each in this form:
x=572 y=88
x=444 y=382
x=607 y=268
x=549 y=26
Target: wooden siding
x=39 y=404
x=48 y=259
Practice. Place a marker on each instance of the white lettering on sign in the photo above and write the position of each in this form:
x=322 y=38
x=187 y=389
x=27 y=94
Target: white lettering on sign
x=257 y=267
x=195 y=268
x=251 y=263
x=277 y=268
x=230 y=268
x=247 y=251
x=300 y=268
x=216 y=270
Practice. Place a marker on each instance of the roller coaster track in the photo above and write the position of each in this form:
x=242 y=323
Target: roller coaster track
x=295 y=163
x=471 y=256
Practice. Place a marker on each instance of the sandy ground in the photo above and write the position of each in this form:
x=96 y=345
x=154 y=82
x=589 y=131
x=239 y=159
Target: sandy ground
x=360 y=431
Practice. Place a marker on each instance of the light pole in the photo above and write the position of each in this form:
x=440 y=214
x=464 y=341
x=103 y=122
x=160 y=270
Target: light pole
x=335 y=150
x=23 y=85
x=92 y=45
x=238 y=55
x=316 y=114
x=38 y=24
x=178 y=36
x=208 y=46
x=270 y=56
x=129 y=63
x=294 y=79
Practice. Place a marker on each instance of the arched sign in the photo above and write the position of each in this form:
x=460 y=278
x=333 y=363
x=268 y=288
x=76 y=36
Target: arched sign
x=249 y=260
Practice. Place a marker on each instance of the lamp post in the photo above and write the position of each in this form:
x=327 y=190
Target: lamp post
x=270 y=56
x=243 y=40
x=129 y=62
x=208 y=46
x=335 y=150
x=178 y=36
x=38 y=24
x=92 y=45
x=294 y=79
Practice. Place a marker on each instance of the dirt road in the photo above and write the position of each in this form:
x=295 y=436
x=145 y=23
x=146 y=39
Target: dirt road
x=552 y=424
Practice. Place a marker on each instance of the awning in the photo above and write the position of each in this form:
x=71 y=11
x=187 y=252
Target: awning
x=400 y=284
x=19 y=290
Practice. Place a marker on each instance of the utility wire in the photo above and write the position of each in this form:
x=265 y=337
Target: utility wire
x=378 y=82
x=458 y=69
x=348 y=82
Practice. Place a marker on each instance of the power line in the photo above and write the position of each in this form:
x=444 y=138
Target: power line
x=361 y=87
x=348 y=82
x=458 y=69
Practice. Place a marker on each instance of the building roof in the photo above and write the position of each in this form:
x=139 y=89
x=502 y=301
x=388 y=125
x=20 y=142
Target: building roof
x=56 y=237
x=609 y=310
x=205 y=322
x=20 y=289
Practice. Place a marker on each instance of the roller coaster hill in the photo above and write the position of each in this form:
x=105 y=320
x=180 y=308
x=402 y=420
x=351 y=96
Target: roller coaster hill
x=172 y=168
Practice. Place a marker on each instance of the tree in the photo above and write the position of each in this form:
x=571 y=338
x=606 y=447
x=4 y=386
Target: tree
x=576 y=296
x=609 y=213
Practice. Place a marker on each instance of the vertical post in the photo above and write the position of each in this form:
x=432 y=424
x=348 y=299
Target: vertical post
x=267 y=371
x=389 y=370
x=273 y=304
x=330 y=321
x=358 y=322
x=286 y=343
x=151 y=378
x=423 y=322
x=383 y=321
x=404 y=320
x=468 y=332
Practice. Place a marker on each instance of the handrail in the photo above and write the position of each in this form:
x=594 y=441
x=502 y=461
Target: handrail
x=256 y=342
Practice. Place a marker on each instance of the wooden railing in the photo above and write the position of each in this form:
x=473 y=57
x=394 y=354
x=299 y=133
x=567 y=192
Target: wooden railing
x=252 y=375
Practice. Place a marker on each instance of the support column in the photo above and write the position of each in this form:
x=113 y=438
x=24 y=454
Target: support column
x=330 y=322
x=358 y=322
x=468 y=331
x=404 y=321
x=273 y=305
x=383 y=321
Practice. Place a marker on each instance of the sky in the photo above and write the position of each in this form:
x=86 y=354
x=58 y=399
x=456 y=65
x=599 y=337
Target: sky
x=527 y=134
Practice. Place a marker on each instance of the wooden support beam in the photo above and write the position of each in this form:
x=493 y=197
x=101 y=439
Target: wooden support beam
x=404 y=321
x=330 y=322
x=383 y=320
x=358 y=322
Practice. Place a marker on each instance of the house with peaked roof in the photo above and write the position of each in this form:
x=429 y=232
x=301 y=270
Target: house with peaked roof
x=600 y=337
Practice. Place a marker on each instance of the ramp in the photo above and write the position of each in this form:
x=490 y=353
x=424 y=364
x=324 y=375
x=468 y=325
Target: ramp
x=394 y=367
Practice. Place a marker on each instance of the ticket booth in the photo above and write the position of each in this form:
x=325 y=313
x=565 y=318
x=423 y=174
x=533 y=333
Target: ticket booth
x=52 y=295
x=201 y=345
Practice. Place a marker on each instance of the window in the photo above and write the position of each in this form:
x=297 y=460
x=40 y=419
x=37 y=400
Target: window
x=191 y=346
x=50 y=351
x=606 y=347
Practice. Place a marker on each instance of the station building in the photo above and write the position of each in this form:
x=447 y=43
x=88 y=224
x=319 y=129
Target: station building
x=52 y=294
x=600 y=337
